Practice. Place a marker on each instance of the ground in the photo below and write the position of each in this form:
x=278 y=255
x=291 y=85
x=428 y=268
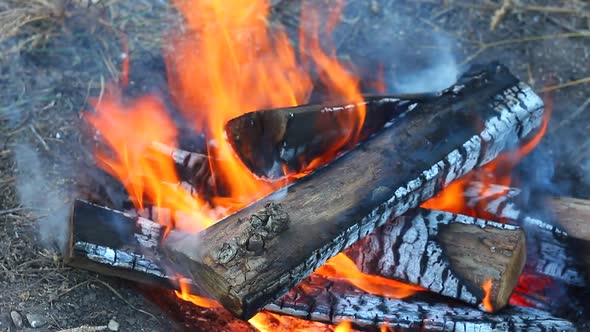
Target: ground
x=54 y=57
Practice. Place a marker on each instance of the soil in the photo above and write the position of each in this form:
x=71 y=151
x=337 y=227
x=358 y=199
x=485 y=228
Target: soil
x=53 y=64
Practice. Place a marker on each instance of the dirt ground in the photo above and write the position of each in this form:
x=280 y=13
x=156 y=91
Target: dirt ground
x=56 y=55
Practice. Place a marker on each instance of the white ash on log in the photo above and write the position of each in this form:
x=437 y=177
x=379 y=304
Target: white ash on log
x=448 y=254
x=330 y=209
x=549 y=250
x=320 y=300
x=452 y=255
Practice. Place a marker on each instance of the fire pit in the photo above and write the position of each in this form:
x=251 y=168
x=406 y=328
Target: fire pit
x=275 y=186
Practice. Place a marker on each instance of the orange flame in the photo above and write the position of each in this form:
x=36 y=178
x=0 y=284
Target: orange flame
x=341 y=267
x=487 y=299
x=344 y=326
x=265 y=321
x=200 y=301
x=224 y=63
x=130 y=129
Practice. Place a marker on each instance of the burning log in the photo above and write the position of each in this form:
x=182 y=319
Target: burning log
x=273 y=142
x=452 y=255
x=448 y=254
x=548 y=245
x=321 y=300
x=254 y=256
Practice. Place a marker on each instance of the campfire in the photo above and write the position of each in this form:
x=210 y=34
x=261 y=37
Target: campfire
x=358 y=209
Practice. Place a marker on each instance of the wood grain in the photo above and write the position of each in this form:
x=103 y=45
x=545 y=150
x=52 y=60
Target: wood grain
x=549 y=250
x=452 y=255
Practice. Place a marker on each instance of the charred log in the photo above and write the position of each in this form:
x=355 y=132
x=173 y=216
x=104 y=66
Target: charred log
x=286 y=140
x=548 y=245
x=437 y=141
x=320 y=300
x=448 y=254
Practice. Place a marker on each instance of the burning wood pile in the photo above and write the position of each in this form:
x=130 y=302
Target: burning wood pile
x=367 y=211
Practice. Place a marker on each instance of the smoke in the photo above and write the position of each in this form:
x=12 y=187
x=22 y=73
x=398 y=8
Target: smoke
x=390 y=45
x=38 y=192
x=438 y=71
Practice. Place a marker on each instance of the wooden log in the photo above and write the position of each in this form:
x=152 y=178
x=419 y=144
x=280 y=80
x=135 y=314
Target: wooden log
x=447 y=254
x=320 y=300
x=286 y=140
x=574 y=216
x=328 y=210
x=548 y=245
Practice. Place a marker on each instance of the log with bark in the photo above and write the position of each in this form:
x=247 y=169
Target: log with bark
x=254 y=256
x=321 y=300
x=548 y=244
x=448 y=254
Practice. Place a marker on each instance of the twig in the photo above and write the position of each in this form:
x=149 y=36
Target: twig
x=7 y=211
x=39 y=137
x=124 y=300
x=485 y=46
x=499 y=14
x=565 y=85
x=490 y=6
x=86 y=328
x=52 y=298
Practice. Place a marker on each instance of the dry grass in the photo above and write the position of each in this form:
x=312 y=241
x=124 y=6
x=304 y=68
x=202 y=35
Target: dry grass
x=36 y=19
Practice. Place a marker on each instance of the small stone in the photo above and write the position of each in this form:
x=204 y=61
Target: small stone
x=113 y=325
x=36 y=321
x=17 y=319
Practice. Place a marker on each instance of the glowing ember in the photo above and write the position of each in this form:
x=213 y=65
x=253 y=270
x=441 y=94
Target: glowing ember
x=486 y=301
x=341 y=267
